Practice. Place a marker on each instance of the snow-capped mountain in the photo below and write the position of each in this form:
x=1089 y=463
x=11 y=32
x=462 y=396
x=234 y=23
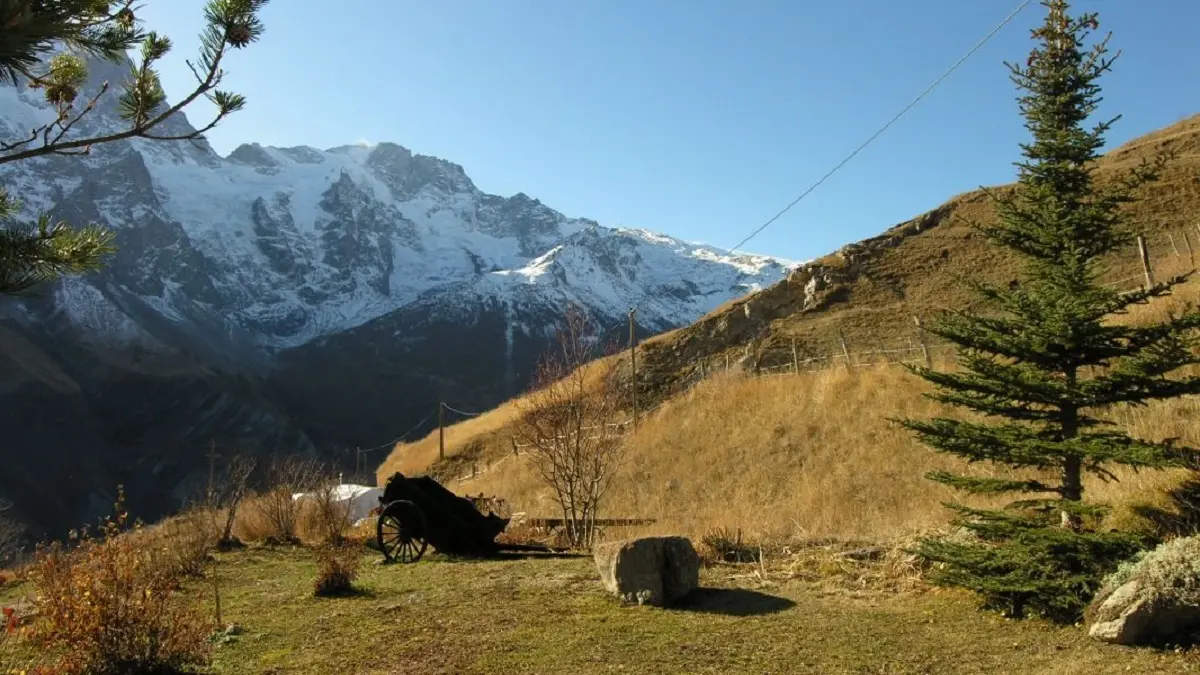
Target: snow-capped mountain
x=316 y=296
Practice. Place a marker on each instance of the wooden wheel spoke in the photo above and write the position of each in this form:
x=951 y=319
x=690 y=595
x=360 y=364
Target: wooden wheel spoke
x=400 y=532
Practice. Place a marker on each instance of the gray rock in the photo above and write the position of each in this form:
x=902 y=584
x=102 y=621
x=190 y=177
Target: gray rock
x=649 y=571
x=1134 y=615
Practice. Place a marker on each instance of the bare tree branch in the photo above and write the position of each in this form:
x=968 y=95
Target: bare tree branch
x=570 y=421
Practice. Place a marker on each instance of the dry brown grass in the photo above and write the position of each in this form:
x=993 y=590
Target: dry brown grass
x=814 y=455
x=807 y=456
x=251 y=524
x=490 y=431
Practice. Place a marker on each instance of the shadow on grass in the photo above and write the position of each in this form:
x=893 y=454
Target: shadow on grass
x=434 y=557
x=732 y=602
x=352 y=592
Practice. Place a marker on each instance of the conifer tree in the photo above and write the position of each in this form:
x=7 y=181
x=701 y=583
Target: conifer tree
x=1043 y=366
x=44 y=45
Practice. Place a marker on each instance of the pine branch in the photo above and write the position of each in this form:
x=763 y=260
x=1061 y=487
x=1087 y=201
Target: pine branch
x=232 y=24
x=985 y=486
x=1017 y=445
x=34 y=255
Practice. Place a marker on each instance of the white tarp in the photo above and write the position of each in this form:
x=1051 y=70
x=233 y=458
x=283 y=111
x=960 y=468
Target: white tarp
x=359 y=499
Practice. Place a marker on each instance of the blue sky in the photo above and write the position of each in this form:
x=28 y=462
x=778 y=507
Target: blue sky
x=697 y=118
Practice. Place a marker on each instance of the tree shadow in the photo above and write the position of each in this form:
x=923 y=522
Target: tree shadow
x=1181 y=518
x=508 y=555
x=732 y=602
x=352 y=592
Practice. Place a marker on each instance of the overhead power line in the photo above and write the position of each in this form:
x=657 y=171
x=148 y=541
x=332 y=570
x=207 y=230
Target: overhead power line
x=1008 y=19
x=461 y=412
x=398 y=438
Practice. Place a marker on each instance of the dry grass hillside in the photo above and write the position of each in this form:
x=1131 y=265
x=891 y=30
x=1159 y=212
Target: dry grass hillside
x=813 y=454
x=869 y=291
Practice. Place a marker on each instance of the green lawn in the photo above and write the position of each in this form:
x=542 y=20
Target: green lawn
x=550 y=615
x=539 y=615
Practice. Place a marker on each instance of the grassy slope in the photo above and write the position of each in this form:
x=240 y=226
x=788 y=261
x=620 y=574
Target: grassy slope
x=814 y=454
x=550 y=616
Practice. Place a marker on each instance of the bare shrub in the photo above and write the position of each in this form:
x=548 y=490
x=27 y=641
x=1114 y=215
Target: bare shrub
x=186 y=541
x=286 y=476
x=724 y=545
x=232 y=492
x=107 y=606
x=326 y=511
x=250 y=524
x=573 y=425
x=337 y=568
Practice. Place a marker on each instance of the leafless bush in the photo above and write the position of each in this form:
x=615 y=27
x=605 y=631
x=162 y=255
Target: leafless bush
x=285 y=477
x=186 y=540
x=327 y=511
x=234 y=488
x=337 y=568
x=724 y=545
x=572 y=420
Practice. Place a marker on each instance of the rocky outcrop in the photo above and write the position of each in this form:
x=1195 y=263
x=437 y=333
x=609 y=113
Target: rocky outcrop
x=1152 y=600
x=1135 y=615
x=649 y=571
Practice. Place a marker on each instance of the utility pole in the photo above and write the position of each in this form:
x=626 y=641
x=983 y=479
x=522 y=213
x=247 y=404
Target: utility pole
x=441 y=432
x=633 y=365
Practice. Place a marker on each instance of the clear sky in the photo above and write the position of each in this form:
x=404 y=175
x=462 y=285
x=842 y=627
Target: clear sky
x=697 y=118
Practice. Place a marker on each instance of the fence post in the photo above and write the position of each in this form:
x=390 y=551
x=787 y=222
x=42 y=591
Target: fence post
x=795 y=359
x=1187 y=241
x=1173 y=246
x=1145 y=255
x=845 y=352
x=441 y=432
x=921 y=341
x=727 y=362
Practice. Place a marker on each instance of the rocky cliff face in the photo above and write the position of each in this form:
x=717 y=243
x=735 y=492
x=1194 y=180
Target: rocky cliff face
x=291 y=300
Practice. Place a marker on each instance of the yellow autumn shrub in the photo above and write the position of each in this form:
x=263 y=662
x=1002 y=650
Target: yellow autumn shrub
x=106 y=605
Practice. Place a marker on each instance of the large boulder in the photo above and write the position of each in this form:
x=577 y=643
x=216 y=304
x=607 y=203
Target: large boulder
x=1153 y=599
x=650 y=570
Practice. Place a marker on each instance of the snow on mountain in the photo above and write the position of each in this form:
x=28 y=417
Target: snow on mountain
x=289 y=300
x=289 y=244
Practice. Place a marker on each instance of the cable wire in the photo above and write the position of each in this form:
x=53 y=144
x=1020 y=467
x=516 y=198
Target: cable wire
x=461 y=412
x=398 y=438
x=1008 y=19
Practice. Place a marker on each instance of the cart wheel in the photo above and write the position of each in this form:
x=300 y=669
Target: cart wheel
x=400 y=532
